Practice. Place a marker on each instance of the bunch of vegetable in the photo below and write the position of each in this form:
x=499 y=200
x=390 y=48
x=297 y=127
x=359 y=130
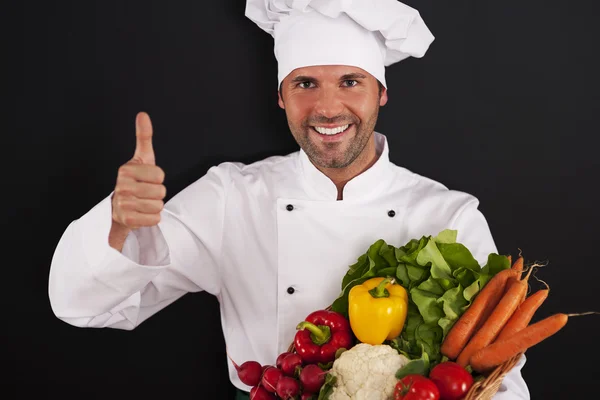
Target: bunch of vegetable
x=420 y=321
x=441 y=279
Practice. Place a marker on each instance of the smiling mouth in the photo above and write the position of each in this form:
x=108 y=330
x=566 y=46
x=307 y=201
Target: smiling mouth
x=331 y=131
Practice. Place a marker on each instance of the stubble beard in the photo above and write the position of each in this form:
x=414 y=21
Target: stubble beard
x=342 y=158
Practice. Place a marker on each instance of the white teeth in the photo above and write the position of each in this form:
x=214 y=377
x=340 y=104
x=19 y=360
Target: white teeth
x=328 y=131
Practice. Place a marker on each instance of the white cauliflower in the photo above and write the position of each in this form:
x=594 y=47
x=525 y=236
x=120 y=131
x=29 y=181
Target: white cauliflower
x=366 y=372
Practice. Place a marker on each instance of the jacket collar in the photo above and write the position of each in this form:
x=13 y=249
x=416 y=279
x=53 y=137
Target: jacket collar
x=371 y=182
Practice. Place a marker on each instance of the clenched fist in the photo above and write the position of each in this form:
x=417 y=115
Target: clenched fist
x=139 y=192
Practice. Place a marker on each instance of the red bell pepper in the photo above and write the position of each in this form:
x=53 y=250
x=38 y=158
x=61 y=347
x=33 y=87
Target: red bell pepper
x=321 y=335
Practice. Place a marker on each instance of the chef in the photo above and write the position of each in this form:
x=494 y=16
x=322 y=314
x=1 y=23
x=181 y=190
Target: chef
x=272 y=239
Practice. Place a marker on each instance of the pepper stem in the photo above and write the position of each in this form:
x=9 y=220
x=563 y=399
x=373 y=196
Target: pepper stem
x=318 y=334
x=380 y=290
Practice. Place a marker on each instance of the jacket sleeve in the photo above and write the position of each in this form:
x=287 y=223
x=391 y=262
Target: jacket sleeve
x=474 y=233
x=93 y=285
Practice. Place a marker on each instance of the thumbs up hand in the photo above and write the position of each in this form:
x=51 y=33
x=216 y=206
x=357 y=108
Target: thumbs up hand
x=139 y=192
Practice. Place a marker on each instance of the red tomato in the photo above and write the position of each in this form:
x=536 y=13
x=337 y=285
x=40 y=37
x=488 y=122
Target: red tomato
x=452 y=380
x=416 y=387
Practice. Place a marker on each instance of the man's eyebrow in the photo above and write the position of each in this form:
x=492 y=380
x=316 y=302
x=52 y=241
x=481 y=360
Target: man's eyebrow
x=302 y=78
x=355 y=75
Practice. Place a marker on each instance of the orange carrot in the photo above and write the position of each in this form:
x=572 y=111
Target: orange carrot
x=515 y=276
x=496 y=321
x=512 y=281
x=523 y=315
x=518 y=265
x=485 y=301
x=518 y=268
x=525 y=312
x=496 y=353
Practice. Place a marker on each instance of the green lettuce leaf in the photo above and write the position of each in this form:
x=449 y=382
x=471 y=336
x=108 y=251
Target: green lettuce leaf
x=428 y=306
x=453 y=305
x=465 y=277
x=407 y=341
x=429 y=336
x=416 y=274
x=360 y=269
x=439 y=267
x=431 y=285
x=340 y=304
x=446 y=236
x=374 y=253
x=409 y=252
x=389 y=255
x=327 y=388
x=471 y=291
x=416 y=366
x=402 y=275
x=495 y=264
x=458 y=256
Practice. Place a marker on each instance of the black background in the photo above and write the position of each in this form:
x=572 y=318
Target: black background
x=504 y=106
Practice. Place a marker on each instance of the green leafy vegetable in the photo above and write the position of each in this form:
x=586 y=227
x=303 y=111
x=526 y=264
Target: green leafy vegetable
x=416 y=366
x=430 y=255
x=327 y=387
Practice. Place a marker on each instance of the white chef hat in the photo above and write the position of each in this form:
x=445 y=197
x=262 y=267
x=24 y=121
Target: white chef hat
x=368 y=34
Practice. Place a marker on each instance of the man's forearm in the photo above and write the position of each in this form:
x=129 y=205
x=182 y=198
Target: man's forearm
x=118 y=234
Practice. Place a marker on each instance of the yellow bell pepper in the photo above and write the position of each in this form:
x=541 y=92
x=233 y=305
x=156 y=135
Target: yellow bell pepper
x=377 y=310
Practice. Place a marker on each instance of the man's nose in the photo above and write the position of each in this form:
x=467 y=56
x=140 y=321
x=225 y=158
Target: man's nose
x=329 y=104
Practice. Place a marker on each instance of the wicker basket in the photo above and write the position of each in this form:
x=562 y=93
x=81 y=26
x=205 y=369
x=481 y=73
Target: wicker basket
x=486 y=388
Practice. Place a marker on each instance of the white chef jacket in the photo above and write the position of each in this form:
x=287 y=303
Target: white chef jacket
x=268 y=239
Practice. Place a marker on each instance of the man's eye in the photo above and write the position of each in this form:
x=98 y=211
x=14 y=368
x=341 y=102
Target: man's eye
x=305 y=85
x=350 y=82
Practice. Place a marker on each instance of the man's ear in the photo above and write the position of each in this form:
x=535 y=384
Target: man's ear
x=383 y=98
x=280 y=99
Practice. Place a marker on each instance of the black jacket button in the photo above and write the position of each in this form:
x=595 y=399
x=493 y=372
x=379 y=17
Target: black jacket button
x=289 y=207
x=290 y=290
x=391 y=213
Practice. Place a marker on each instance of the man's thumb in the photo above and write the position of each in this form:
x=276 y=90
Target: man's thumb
x=143 y=145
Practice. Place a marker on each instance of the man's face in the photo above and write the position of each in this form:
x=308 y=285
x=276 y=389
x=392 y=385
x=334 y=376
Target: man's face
x=332 y=111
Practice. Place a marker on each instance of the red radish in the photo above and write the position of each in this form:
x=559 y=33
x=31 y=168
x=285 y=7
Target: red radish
x=270 y=378
x=289 y=364
x=249 y=372
x=308 y=396
x=288 y=387
x=312 y=378
x=281 y=357
x=260 y=393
